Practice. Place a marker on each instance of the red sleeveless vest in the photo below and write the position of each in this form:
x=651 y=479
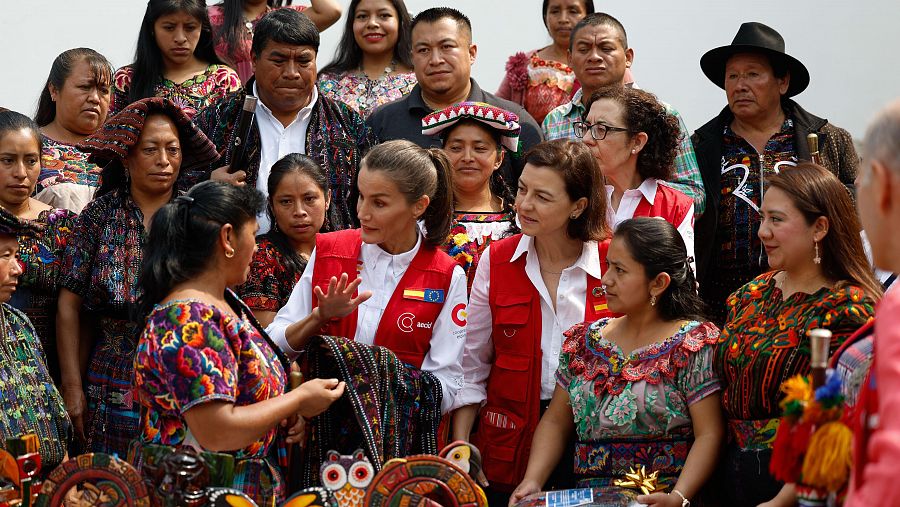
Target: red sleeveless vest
x=670 y=204
x=405 y=326
x=512 y=411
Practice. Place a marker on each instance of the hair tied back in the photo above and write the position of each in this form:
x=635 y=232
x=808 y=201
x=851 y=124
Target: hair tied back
x=185 y=199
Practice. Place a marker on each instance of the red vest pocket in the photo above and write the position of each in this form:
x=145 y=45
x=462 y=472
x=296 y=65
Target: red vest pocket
x=509 y=377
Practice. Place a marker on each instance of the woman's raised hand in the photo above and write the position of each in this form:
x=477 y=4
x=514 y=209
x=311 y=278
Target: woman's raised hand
x=339 y=301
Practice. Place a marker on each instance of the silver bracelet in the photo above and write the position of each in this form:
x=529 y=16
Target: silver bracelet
x=684 y=501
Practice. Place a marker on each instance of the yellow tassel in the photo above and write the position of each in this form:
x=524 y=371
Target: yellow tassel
x=828 y=458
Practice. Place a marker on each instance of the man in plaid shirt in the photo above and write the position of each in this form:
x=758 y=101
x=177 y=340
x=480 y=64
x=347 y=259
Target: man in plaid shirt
x=600 y=56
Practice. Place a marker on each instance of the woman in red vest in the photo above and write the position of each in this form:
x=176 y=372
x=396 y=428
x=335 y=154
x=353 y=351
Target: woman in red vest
x=388 y=283
x=635 y=141
x=528 y=289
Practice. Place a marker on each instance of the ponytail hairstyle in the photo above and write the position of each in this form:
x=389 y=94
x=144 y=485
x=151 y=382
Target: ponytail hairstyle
x=148 y=63
x=61 y=70
x=418 y=171
x=184 y=233
x=289 y=164
x=657 y=246
x=12 y=120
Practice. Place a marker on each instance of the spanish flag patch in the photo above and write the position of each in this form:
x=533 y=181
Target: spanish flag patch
x=427 y=295
x=602 y=307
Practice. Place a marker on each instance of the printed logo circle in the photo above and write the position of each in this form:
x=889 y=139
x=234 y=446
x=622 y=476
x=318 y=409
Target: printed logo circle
x=460 y=314
x=405 y=322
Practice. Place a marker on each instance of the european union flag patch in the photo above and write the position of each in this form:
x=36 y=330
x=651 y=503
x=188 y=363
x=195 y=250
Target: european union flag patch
x=427 y=295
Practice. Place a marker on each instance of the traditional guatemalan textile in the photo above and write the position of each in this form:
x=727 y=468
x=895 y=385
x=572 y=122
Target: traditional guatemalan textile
x=740 y=255
x=363 y=94
x=271 y=280
x=853 y=360
x=102 y=262
x=559 y=124
x=41 y=255
x=634 y=410
x=501 y=121
x=67 y=180
x=764 y=343
x=239 y=59
x=191 y=95
x=472 y=232
x=192 y=353
x=389 y=410
x=337 y=138
x=30 y=401
x=536 y=84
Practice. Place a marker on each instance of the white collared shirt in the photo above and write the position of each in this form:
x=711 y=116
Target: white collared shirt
x=381 y=273
x=276 y=141
x=631 y=198
x=570 y=298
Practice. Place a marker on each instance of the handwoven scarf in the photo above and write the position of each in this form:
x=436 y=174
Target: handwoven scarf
x=389 y=409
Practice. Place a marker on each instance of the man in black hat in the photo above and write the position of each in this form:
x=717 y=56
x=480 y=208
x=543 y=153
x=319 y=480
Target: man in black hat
x=759 y=132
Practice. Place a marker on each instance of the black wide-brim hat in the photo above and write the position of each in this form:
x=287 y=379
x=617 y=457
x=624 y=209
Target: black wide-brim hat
x=755 y=37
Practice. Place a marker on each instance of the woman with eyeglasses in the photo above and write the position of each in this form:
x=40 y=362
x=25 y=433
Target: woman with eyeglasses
x=634 y=141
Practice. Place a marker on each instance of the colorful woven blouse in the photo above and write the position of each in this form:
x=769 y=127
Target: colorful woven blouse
x=240 y=59
x=645 y=393
x=363 y=94
x=191 y=96
x=104 y=254
x=536 y=84
x=764 y=340
x=67 y=180
x=271 y=281
x=191 y=353
x=30 y=401
x=41 y=256
x=472 y=232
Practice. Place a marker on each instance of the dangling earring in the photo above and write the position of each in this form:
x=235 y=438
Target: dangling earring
x=652 y=300
x=817 y=259
x=229 y=253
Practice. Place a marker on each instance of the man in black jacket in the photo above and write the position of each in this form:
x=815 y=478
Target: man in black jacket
x=443 y=54
x=759 y=133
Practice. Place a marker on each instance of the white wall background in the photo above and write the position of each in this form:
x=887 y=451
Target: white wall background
x=852 y=49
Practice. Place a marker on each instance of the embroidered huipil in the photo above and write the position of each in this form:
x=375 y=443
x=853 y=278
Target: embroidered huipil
x=764 y=343
x=570 y=301
x=29 y=402
x=67 y=180
x=192 y=353
x=472 y=232
x=363 y=94
x=381 y=273
x=191 y=95
x=271 y=281
x=559 y=124
x=634 y=409
x=537 y=84
x=741 y=256
x=41 y=256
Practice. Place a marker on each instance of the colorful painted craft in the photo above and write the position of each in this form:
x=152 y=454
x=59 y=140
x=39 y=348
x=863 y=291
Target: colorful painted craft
x=311 y=497
x=102 y=481
x=421 y=481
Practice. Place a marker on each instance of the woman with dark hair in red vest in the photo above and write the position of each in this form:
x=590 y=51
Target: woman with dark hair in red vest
x=529 y=289
x=388 y=283
x=635 y=141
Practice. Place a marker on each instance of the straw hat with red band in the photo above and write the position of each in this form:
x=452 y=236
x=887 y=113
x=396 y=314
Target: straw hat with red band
x=504 y=122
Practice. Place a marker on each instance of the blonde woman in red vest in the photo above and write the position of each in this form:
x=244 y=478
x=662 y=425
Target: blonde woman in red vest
x=528 y=289
x=635 y=141
x=388 y=283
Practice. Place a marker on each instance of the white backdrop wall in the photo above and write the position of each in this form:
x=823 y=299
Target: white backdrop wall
x=850 y=48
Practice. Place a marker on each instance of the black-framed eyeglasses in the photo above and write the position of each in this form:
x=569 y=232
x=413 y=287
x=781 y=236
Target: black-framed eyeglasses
x=598 y=130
